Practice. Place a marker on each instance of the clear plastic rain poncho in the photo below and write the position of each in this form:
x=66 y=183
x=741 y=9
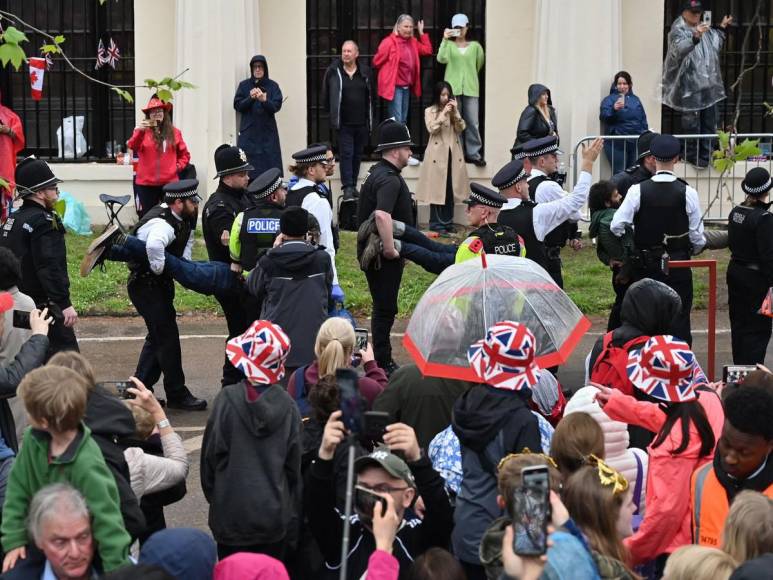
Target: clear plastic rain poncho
x=692 y=78
x=468 y=298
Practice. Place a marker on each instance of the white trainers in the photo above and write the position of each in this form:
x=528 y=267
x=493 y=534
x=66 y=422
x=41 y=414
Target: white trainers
x=413 y=161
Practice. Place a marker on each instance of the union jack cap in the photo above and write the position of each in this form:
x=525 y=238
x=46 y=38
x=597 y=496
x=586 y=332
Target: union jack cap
x=664 y=368
x=260 y=352
x=505 y=358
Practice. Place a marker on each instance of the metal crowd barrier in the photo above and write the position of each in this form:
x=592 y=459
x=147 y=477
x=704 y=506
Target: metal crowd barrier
x=704 y=180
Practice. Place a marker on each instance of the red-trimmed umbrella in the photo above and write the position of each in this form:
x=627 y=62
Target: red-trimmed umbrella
x=468 y=298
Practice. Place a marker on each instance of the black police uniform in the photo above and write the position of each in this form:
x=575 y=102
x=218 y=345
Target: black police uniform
x=521 y=221
x=153 y=297
x=384 y=189
x=498 y=240
x=260 y=227
x=36 y=236
x=219 y=213
x=663 y=212
x=749 y=276
x=631 y=176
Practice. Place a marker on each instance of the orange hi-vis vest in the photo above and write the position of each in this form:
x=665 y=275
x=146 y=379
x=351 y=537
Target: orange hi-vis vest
x=710 y=506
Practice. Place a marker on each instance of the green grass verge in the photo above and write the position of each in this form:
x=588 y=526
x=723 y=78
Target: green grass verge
x=588 y=282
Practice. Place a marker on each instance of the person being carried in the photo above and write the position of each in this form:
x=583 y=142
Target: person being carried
x=483 y=205
x=58 y=447
x=614 y=252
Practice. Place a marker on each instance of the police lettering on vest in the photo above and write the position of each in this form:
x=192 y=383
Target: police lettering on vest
x=262 y=226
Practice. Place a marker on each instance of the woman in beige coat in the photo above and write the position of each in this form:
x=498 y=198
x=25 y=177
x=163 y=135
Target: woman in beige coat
x=443 y=177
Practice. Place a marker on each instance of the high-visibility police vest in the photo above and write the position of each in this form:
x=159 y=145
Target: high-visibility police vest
x=710 y=506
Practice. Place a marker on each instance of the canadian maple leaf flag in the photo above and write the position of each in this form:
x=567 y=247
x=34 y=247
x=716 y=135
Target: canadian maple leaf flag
x=37 y=71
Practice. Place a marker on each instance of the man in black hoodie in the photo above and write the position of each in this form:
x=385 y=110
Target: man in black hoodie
x=491 y=421
x=382 y=472
x=293 y=282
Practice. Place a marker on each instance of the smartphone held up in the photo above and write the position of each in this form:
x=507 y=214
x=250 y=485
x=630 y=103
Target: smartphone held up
x=530 y=511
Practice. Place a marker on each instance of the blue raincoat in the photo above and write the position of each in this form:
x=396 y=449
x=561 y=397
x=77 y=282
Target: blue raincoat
x=258 y=133
x=630 y=120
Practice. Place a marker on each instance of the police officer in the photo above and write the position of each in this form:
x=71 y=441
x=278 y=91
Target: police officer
x=218 y=216
x=534 y=221
x=35 y=234
x=385 y=194
x=254 y=230
x=644 y=168
x=750 y=272
x=164 y=228
x=542 y=162
x=310 y=193
x=666 y=216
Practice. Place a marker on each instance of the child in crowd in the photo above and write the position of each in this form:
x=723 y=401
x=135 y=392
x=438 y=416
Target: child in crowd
x=693 y=562
x=576 y=437
x=58 y=447
x=748 y=531
x=251 y=453
x=687 y=420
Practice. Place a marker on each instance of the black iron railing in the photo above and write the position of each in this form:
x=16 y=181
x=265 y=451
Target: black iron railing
x=107 y=119
x=330 y=22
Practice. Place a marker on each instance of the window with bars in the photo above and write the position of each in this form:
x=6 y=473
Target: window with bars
x=108 y=119
x=331 y=22
x=756 y=86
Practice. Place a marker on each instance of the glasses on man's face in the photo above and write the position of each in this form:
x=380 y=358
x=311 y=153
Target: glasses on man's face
x=382 y=488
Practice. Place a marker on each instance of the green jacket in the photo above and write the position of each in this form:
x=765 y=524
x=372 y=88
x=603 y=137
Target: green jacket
x=608 y=245
x=462 y=69
x=83 y=467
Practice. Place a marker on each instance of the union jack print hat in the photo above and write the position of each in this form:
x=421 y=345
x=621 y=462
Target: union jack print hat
x=505 y=358
x=664 y=368
x=260 y=352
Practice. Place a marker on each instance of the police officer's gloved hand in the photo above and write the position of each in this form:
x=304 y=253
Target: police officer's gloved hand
x=337 y=294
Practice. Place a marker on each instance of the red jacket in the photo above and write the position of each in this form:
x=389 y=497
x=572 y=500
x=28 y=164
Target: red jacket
x=387 y=59
x=666 y=525
x=158 y=167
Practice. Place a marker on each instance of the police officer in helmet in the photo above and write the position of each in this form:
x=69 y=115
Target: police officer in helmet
x=642 y=170
x=220 y=211
x=666 y=217
x=35 y=234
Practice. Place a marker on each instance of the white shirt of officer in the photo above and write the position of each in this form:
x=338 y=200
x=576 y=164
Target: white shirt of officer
x=157 y=235
x=625 y=213
x=549 y=215
x=319 y=207
x=550 y=190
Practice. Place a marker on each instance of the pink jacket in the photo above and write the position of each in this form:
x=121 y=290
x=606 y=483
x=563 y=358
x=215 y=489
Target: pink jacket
x=666 y=524
x=158 y=167
x=371 y=385
x=387 y=59
x=382 y=566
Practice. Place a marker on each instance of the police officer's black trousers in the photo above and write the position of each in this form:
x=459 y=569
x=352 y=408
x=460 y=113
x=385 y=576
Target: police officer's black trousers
x=153 y=298
x=384 y=286
x=749 y=330
x=237 y=320
x=680 y=279
x=61 y=338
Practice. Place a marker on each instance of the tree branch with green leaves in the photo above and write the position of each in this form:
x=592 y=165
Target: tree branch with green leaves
x=12 y=52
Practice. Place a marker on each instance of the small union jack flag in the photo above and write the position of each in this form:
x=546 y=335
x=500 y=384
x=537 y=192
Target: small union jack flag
x=664 y=368
x=101 y=55
x=112 y=55
x=505 y=358
x=260 y=352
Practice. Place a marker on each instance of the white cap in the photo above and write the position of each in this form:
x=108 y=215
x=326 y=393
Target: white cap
x=459 y=20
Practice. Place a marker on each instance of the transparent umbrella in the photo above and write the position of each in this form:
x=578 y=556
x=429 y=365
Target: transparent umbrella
x=468 y=298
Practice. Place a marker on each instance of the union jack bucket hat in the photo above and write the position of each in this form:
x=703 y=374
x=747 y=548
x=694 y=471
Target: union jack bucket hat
x=260 y=352
x=504 y=359
x=664 y=368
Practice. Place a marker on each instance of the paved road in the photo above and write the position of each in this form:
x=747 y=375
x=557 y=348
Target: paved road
x=113 y=345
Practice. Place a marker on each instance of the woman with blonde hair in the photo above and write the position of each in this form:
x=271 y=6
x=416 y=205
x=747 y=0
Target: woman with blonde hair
x=748 y=531
x=335 y=349
x=698 y=562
